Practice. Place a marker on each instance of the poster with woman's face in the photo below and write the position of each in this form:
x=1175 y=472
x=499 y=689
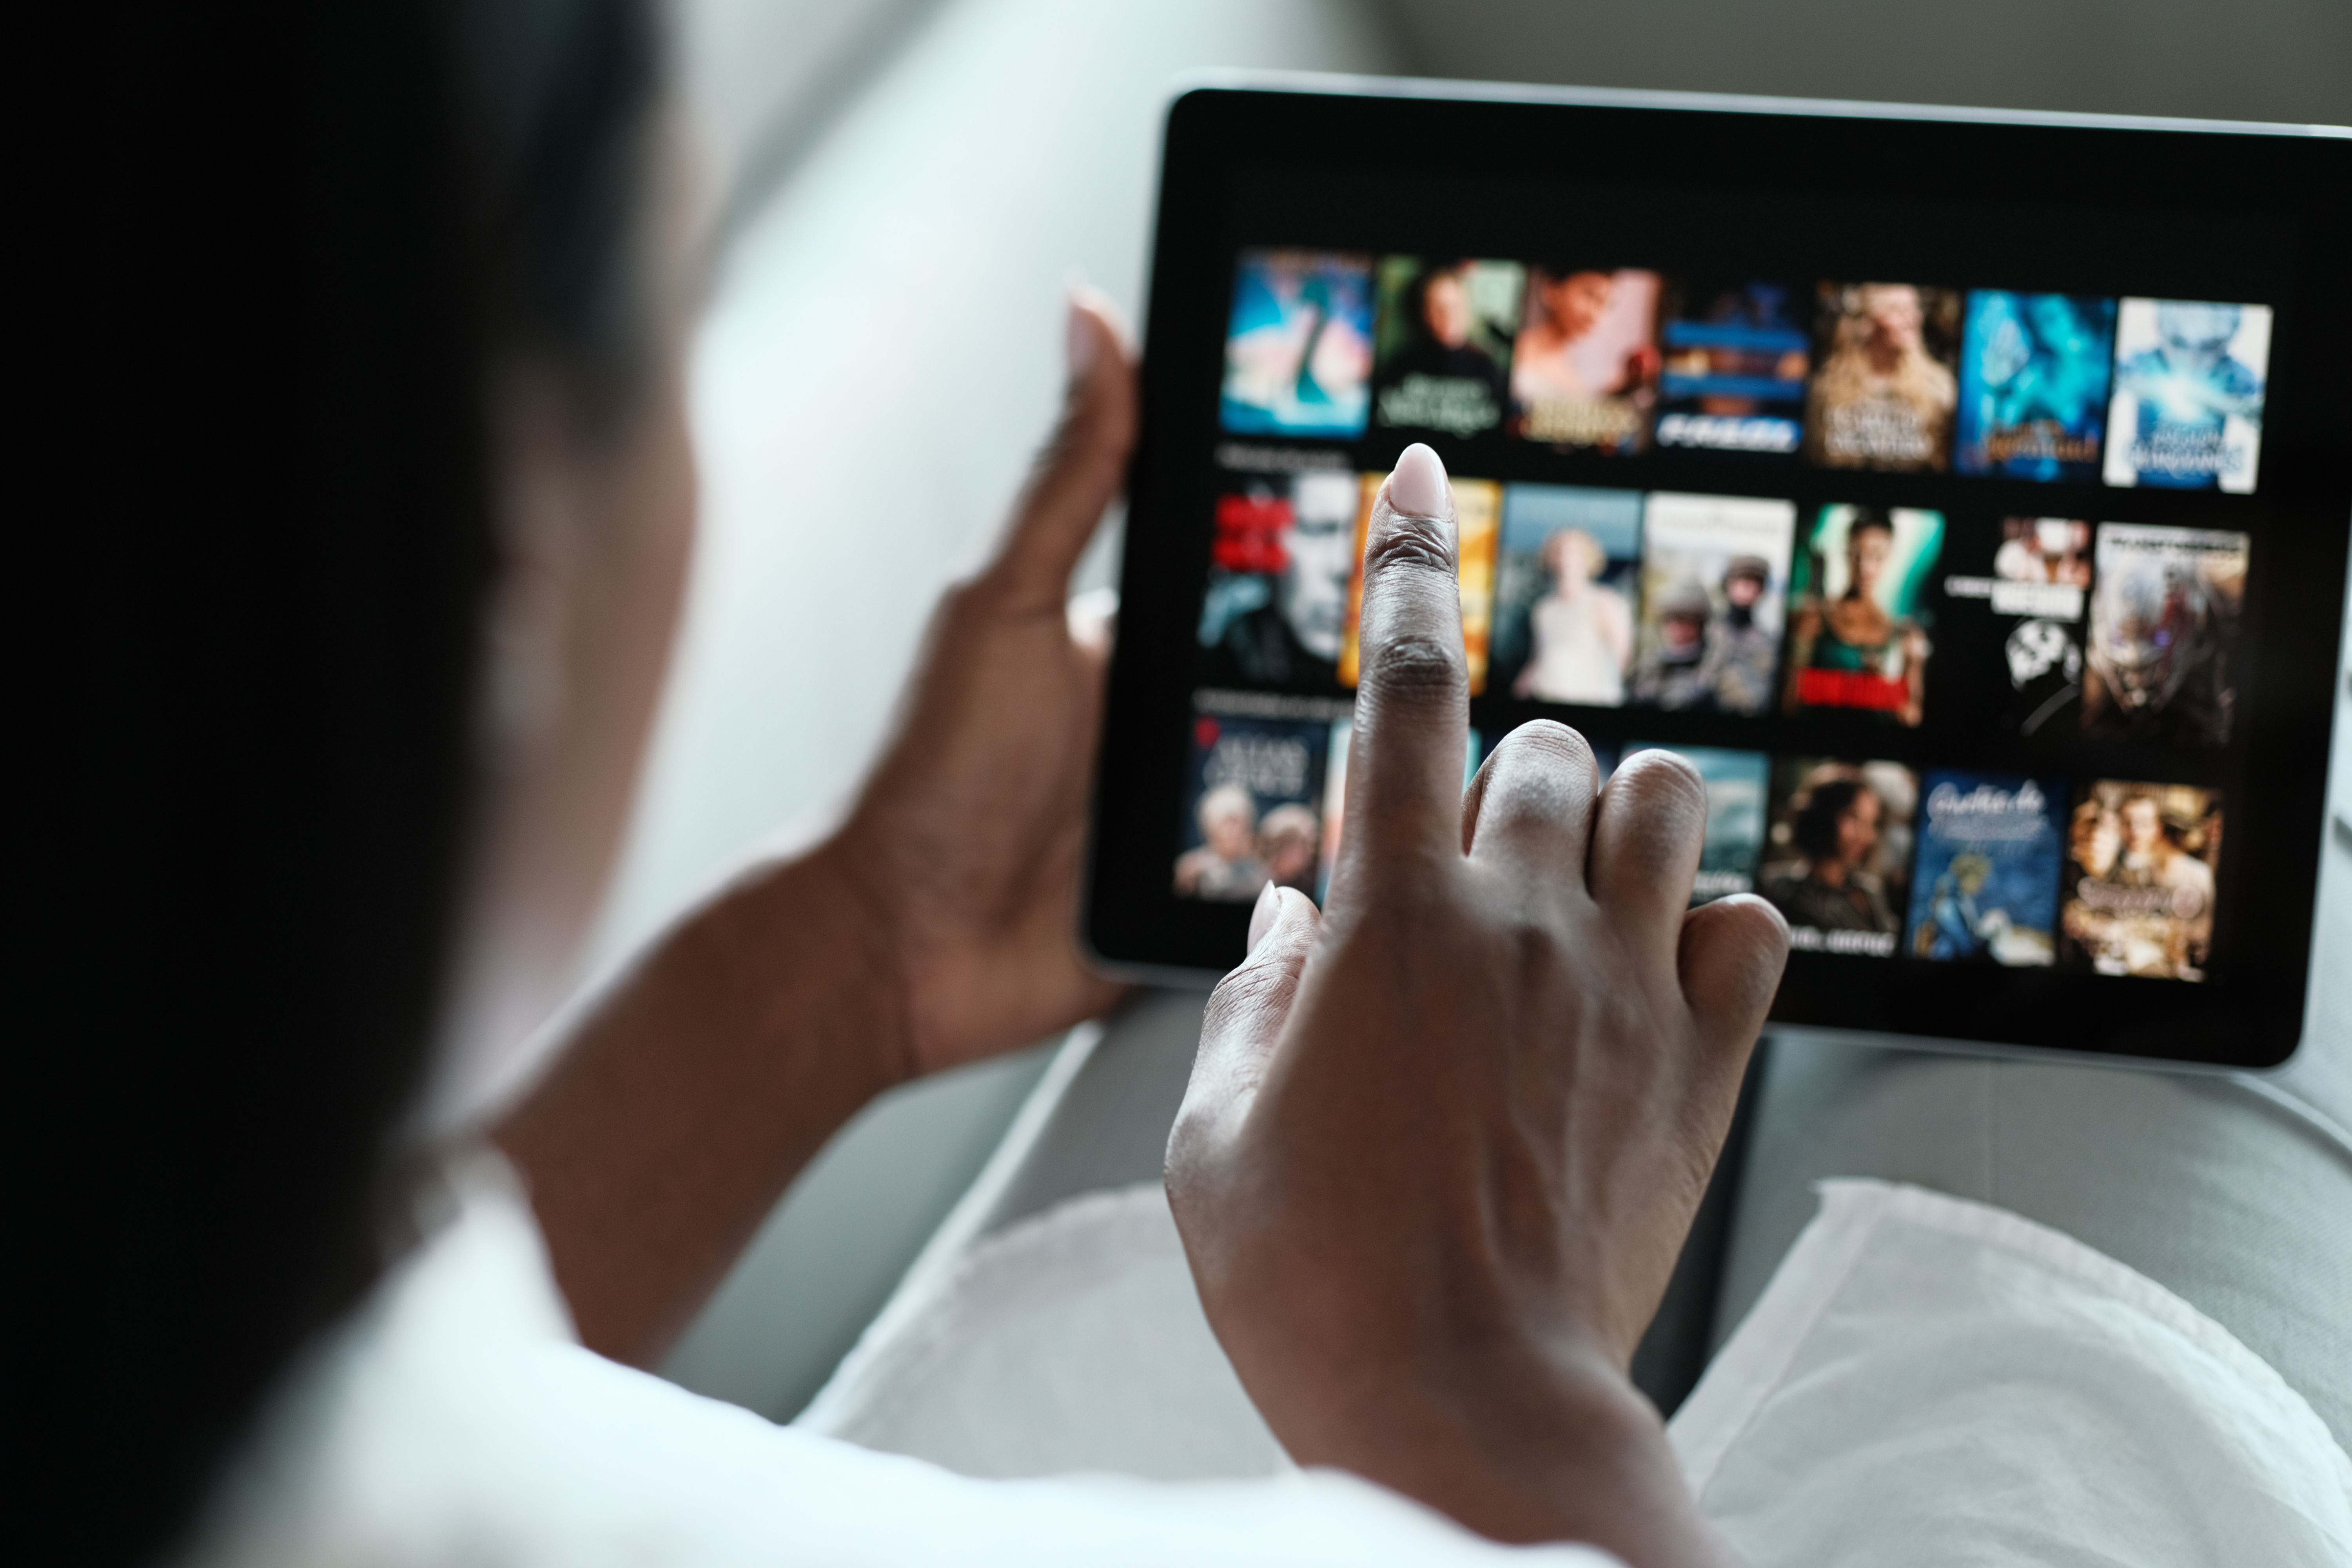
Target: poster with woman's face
x=1584 y=372
x=1894 y=564
x=1884 y=392
x=1861 y=585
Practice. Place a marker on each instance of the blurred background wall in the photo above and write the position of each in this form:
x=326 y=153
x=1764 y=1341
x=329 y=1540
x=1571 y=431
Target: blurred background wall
x=899 y=189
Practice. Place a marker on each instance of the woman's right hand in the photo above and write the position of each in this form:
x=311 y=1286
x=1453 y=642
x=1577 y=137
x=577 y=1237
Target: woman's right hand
x=1443 y=1144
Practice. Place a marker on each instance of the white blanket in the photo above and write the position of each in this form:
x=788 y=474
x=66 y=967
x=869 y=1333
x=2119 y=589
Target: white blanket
x=1926 y=1380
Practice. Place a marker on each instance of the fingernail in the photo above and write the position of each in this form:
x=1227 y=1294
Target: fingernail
x=1081 y=344
x=1262 y=919
x=1418 y=488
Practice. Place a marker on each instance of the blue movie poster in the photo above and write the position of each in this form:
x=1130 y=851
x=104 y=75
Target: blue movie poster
x=1298 y=351
x=1986 y=886
x=2188 y=410
x=2034 y=385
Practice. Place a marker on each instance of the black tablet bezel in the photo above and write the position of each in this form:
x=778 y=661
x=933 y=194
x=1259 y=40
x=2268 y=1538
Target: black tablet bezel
x=2101 y=202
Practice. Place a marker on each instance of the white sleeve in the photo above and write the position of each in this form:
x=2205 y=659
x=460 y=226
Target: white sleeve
x=456 y=1420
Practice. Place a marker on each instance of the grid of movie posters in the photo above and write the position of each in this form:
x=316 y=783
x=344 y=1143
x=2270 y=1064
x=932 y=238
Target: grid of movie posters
x=1579 y=356
x=1932 y=730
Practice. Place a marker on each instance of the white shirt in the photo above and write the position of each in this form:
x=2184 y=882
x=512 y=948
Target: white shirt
x=458 y=1421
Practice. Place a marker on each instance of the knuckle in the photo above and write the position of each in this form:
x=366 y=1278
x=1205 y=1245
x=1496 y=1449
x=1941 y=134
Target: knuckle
x=1543 y=746
x=1659 y=781
x=1401 y=543
x=1414 y=670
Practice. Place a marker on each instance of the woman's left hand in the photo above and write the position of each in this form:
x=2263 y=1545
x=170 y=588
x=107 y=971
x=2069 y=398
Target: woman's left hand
x=970 y=838
x=937 y=925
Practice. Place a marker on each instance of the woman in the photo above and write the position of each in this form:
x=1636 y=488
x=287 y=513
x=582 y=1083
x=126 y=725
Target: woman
x=1836 y=830
x=1880 y=399
x=408 y=538
x=1582 y=630
x=1849 y=652
x=1441 y=378
x=1569 y=384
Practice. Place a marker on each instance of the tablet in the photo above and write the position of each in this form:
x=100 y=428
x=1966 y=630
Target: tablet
x=1965 y=495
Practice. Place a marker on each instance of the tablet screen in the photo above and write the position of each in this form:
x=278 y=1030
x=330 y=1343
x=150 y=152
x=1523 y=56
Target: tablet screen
x=1963 y=546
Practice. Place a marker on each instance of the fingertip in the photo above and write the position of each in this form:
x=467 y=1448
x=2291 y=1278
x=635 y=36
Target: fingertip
x=1418 y=486
x=1733 y=953
x=1262 y=918
x=1635 y=771
x=1093 y=618
x=1766 y=907
x=1095 y=329
x=1284 y=917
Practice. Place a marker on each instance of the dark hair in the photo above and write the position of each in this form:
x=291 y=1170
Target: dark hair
x=1816 y=826
x=340 y=222
x=1869 y=517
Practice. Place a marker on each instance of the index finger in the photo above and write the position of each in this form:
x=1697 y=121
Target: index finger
x=1412 y=701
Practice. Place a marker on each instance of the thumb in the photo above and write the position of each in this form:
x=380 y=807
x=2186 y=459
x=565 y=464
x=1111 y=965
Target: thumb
x=1245 y=1019
x=1081 y=471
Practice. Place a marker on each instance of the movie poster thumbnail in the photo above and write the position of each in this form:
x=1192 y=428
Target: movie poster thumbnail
x=1299 y=350
x=1715 y=582
x=1735 y=357
x=1857 y=633
x=2036 y=596
x=1252 y=800
x=2164 y=620
x=1584 y=373
x=1477 y=512
x=1566 y=580
x=1837 y=855
x=1884 y=390
x=2034 y=385
x=1335 y=792
x=1442 y=359
x=1984 y=887
x=1276 y=608
x=2187 y=409
x=2138 y=897
x=1736 y=784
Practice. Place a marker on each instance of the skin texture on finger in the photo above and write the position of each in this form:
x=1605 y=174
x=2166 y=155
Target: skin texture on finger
x=1647 y=840
x=1527 y=813
x=1412 y=701
x=1244 y=1020
x=1730 y=958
